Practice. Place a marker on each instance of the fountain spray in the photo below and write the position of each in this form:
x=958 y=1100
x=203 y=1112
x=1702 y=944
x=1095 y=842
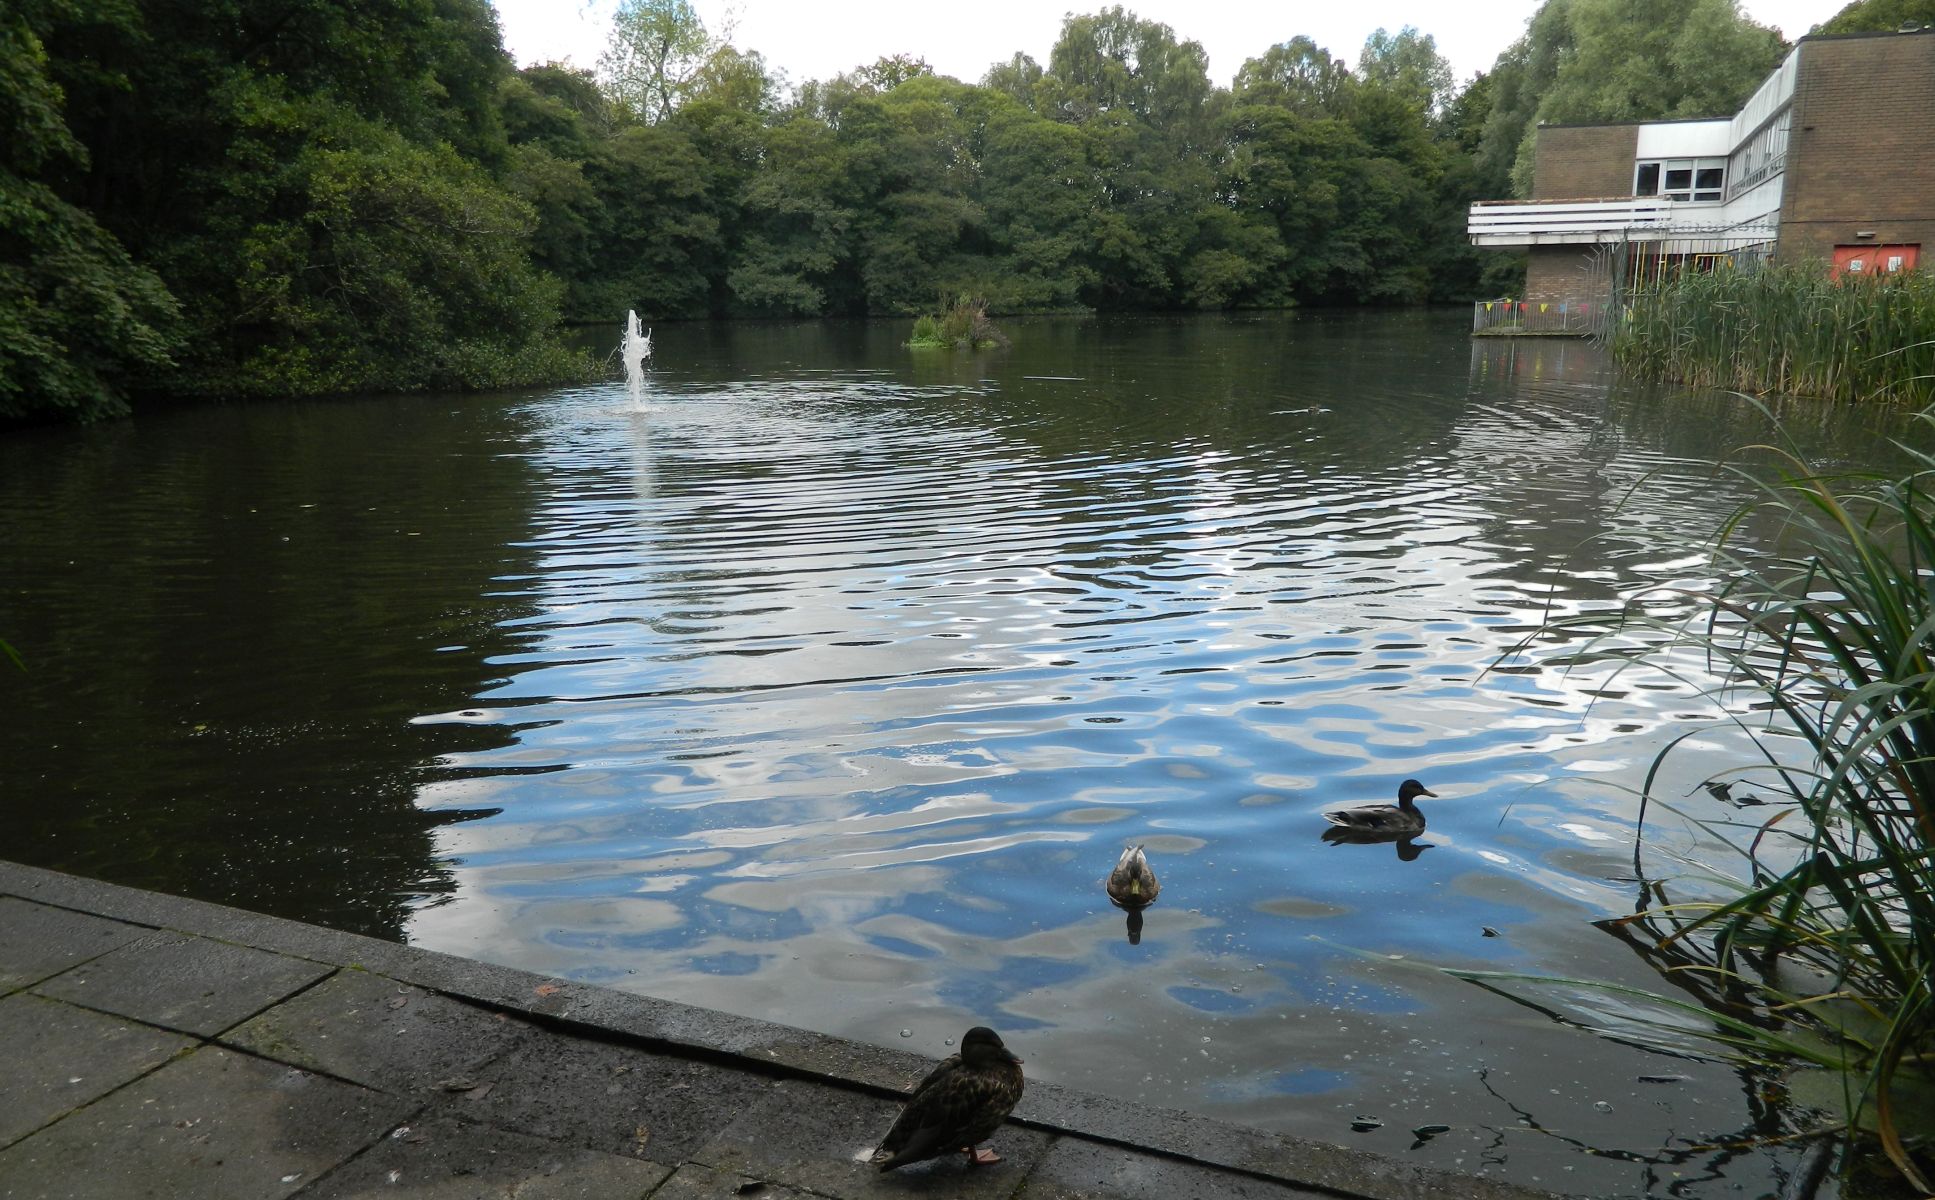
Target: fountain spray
x=636 y=349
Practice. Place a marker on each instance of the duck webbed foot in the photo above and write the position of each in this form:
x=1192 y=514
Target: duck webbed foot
x=982 y=1157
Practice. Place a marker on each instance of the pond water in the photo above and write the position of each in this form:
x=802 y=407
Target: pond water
x=827 y=687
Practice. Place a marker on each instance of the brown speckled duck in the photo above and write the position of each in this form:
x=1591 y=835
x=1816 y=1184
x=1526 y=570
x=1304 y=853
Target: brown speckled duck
x=960 y=1103
x=1400 y=818
x=1132 y=884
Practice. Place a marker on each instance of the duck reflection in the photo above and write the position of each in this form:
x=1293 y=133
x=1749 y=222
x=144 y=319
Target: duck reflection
x=1407 y=844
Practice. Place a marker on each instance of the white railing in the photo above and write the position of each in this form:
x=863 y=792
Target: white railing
x=1541 y=222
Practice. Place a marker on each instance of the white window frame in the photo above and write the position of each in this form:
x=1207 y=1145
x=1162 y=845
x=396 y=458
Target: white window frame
x=1690 y=194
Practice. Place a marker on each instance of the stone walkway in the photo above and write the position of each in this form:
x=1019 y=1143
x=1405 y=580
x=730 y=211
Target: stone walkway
x=161 y=1047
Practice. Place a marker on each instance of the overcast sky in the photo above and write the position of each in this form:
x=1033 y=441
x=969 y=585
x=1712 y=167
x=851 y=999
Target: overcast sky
x=816 y=40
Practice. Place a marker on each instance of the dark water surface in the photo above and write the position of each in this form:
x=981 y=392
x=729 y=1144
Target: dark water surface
x=827 y=689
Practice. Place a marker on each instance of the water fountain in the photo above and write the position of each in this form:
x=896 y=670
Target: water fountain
x=635 y=350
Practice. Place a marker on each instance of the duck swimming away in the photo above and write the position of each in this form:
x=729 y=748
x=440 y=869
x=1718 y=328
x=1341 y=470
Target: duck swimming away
x=1400 y=818
x=960 y=1103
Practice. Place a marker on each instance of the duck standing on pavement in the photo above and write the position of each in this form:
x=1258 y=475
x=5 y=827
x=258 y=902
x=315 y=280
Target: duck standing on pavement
x=960 y=1103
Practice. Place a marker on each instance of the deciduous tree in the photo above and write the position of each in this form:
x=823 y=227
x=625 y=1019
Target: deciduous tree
x=656 y=51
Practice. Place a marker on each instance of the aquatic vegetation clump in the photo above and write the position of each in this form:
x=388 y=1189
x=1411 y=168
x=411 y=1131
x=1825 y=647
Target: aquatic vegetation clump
x=1786 y=329
x=927 y=332
x=963 y=323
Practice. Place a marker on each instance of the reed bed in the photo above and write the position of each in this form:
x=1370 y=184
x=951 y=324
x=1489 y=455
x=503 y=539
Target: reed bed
x=1813 y=951
x=1786 y=329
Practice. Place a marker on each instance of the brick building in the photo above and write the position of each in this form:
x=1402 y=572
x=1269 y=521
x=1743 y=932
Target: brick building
x=1831 y=160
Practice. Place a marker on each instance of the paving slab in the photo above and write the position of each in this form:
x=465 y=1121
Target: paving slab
x=1078 y=1169
x=38 y=941
x=216 y=1125
x=442 y=1159
x=817 y=1137
x=371 y=1029
x=607 y=1096
x=59 y=1057
x=182 y=982
x=732 y=1106
x=696 y=1182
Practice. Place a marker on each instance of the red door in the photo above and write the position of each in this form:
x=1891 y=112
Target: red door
x=1875 y=260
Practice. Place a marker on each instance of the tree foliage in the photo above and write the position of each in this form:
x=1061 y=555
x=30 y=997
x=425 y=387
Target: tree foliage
x=1626 y=60
x=234 y=198
x=1408 y=65
x=1298 y=75
x=1880 y=16
x=79 y=320
x=658 y=49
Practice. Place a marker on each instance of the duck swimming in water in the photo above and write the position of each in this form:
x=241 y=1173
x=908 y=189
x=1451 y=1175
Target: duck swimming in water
x=1132 y=884
x=1400 y=818
x=960 y=1103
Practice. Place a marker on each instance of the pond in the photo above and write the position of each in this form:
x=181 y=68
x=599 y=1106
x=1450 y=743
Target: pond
x=827 y=685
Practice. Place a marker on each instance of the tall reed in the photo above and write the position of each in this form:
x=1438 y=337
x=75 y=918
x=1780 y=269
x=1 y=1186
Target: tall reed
x=1819 y=948
x=1786 y=329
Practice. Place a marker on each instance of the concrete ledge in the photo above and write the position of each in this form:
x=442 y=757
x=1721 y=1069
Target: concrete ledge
x=707 y=1036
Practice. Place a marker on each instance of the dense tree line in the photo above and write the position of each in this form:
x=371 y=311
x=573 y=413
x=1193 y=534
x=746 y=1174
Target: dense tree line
x=289 y=197
x=1115 y=176
x=259 y=197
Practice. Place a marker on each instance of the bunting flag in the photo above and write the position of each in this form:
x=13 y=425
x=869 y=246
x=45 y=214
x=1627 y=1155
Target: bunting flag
x=1543 y=307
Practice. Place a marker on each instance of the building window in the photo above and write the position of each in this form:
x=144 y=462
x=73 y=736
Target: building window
x=1761 y=157
x=1698 y=180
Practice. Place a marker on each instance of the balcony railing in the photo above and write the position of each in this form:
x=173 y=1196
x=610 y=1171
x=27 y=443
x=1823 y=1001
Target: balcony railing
x=1520 y=318
x=1545 y=222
